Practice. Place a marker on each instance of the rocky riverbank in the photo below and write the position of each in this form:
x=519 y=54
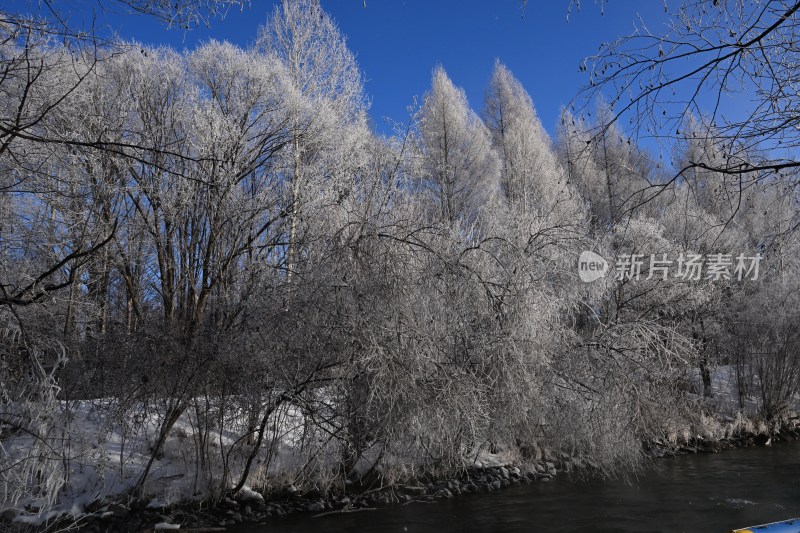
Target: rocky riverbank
x=251 y=507
x=789 y=430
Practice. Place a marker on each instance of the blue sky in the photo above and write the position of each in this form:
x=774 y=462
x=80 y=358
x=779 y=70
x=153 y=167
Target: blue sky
x=398 y=42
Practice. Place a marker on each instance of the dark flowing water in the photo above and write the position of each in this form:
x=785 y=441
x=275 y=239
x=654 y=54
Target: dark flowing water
x=698 y=494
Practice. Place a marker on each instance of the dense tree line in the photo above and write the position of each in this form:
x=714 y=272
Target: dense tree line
x=218 y=236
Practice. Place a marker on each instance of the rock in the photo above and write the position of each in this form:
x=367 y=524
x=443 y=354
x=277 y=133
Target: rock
x=275 y=509
x=504 y=472
x=119 y=510
x=658 y=453
x=315 y=507
x=312 y=494
x=496 y=485
x=228 y=503
x=9 y=515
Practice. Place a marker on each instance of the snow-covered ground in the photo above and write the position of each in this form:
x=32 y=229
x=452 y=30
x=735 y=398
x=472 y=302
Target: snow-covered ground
x=96 y=452
x=727 y=397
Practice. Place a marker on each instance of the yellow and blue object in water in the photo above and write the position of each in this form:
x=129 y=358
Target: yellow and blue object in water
x=787 y=526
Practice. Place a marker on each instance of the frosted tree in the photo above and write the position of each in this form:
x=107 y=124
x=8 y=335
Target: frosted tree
x=459 y=166
x=532 y=178
x=329 y=101
x=609 y=169
x=576 y=155
x=210 y=208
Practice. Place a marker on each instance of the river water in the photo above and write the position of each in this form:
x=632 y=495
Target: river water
x=698 y=494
